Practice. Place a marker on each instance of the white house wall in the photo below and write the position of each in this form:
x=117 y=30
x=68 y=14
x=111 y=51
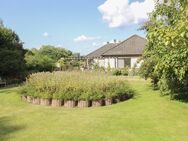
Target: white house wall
x=104 y=62
x=100 y=62
x=112 y=62
x=135 y=60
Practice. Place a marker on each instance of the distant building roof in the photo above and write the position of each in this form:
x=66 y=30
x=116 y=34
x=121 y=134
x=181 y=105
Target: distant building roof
x=134 y=45
x=100 y=51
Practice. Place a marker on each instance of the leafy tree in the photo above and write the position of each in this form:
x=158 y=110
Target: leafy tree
x=54 y=52
x=12 y=64
x=45 y=58
x=166 y=54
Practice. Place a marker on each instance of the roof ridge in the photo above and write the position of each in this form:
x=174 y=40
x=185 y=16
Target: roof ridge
x=100 y=48
x=119 y=43
x=111 y=48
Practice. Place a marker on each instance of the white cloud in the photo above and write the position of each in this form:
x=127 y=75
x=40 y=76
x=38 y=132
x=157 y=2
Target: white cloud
x=45 y=34
x=95 y=44
x=120 y=13
x=83 y=38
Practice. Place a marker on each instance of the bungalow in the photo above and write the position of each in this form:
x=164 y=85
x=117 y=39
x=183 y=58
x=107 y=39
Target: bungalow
x=118 y=55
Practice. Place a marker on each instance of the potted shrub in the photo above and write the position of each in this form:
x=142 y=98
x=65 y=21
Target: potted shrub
x=24 y=97
x=57 y=100
x=70 y=97
x=109 y=98
x=45 y=99
x=84 y=100
x=97 y=99
x=36 y=100
x=29 y=99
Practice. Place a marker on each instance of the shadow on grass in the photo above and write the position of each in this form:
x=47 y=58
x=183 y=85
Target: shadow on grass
x=6 y=128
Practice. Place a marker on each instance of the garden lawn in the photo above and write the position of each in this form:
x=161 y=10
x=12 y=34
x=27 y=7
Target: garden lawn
x=146 y=117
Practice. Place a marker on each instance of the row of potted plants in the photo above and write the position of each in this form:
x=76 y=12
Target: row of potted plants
x=74 y=86
x=73 y=103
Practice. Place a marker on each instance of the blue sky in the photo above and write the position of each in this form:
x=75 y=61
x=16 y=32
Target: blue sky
x=78 y=25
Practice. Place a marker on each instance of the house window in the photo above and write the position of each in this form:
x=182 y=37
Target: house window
x=124 y=62
x=128 y=62
x=121 y=63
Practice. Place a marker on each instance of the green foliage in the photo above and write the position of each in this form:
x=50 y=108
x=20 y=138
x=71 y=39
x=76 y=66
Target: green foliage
x=12 y=63
x=108 y=68
x=125 y=71
x=74 y=86
x=54 y=53
x=148 y=117
x=165 y=58
x=96 y=66
x=116 y=72
x=45 y=58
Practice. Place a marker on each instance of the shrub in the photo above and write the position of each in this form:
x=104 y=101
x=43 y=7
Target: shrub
x=125 y=71
x=116 y=72
x=74 y=86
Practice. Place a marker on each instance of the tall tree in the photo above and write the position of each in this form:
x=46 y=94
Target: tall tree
x=166 y=54
x=12 y=64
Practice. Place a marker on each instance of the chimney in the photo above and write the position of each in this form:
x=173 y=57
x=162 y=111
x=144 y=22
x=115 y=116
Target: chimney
x=115 y=40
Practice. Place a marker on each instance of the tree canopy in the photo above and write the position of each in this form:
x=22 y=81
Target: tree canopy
x=166 y=54
x=12 y=64
x=45 y=58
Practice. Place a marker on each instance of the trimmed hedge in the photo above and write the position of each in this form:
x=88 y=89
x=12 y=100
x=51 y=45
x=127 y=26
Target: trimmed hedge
x=74 y=86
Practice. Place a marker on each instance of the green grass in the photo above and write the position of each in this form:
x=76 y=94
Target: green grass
x=146 y=117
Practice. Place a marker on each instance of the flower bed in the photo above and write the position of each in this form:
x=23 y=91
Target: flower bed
x=75 y=89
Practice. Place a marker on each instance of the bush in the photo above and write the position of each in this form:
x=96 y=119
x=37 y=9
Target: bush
x=125 y=71
x=116 y=72
x=74 y=86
